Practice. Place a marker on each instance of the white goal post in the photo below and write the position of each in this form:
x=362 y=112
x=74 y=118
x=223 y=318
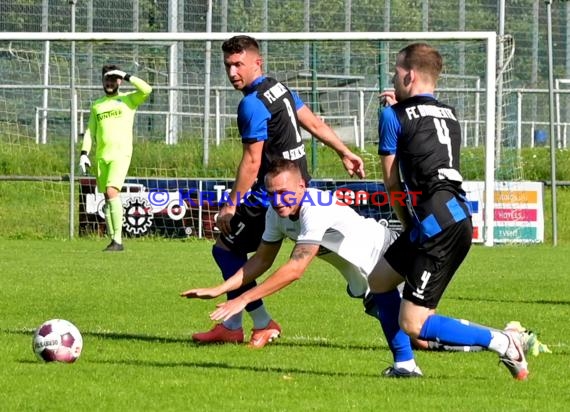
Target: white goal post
x=488 y=38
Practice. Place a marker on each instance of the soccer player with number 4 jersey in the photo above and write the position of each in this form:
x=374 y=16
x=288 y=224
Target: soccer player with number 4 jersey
x=419 y=146
x=111 y=125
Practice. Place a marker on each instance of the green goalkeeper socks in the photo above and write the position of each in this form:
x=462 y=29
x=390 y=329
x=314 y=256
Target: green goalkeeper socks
x=116 y=212
x=108 y=220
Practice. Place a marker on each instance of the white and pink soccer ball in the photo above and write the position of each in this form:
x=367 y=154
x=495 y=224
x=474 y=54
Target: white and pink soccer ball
x=57 y=340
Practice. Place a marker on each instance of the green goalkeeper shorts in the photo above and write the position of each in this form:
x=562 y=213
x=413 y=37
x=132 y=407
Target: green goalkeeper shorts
x=112 y=173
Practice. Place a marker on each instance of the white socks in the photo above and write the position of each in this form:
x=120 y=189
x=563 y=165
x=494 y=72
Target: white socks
x=408 y=365
x=499 y=342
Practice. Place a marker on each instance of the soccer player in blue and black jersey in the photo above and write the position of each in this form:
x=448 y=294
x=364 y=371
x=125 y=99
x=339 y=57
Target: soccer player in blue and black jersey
x=269 y=116
x=420 y=149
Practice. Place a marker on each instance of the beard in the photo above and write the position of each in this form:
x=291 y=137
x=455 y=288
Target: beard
x=400 y=94
x=109 y=91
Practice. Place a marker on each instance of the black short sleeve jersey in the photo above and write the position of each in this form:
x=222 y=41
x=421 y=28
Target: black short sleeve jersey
x=428 y=154
x=428 y=148
x=283 y=133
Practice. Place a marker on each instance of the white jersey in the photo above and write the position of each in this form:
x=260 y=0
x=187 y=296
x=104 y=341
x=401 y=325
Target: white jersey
x=356 y=242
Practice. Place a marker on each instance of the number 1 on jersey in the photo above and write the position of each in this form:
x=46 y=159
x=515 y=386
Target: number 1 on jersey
x=293 y=119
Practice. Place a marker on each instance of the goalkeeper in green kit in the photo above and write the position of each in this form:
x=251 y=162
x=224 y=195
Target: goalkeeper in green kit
x=111 y=125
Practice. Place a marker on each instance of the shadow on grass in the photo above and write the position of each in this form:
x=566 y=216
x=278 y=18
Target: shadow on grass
x=503 y=300
x=110 y=335
x=226 y=366
x=218 y=365
x=287 y=372
x=289 y=342
x=292 y=342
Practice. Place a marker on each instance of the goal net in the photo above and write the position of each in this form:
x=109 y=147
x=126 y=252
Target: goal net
x=186 y=140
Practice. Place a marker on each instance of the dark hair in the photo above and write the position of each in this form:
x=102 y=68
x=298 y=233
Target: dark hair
x=239 y=44
x=422 y=57
x=278 y=166
x=108 y=68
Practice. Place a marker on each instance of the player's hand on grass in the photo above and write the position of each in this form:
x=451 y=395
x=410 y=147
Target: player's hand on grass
x=227 y=309
x=202 y=293
x=224 y=218
x=84 y=163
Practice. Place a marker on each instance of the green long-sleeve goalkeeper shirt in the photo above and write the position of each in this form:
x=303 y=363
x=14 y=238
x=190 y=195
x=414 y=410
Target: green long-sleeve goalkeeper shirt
x=111 y=122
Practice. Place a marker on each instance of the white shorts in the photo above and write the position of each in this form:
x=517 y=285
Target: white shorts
x=355 y=275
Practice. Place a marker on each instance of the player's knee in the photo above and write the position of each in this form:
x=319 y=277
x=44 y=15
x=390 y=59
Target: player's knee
x=111 y=192
x=411 y=327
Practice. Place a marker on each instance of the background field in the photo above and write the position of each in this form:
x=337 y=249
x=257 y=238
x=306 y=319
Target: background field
x=138 y=354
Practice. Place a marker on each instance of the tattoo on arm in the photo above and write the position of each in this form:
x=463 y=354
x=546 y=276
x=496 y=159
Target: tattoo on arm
x=301 y=252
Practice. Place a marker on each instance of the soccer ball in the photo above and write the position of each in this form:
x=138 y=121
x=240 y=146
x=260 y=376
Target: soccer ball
x=57 y=340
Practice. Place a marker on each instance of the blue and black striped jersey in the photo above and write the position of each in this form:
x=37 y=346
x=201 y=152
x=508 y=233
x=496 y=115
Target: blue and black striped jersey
x=425 y=136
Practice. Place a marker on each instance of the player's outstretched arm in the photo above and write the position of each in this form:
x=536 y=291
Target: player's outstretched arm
x=291 y=271
x=256 y=266
x=318 y=128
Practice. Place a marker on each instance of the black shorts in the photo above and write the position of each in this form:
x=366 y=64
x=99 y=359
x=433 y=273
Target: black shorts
x=429 y=267
x=247 y=227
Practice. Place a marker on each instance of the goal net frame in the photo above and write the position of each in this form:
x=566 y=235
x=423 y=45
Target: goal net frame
x=488 y=38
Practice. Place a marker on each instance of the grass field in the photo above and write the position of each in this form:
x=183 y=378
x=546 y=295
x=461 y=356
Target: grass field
x=138 y=354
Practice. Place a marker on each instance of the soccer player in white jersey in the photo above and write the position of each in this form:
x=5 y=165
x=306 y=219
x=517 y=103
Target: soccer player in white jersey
x=321 y=226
